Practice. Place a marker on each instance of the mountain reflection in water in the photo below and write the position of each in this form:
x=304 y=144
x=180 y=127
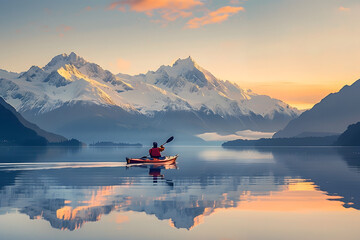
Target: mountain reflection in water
x=68 y=188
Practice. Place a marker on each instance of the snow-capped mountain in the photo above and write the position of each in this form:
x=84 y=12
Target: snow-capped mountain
x=66 y=78
x=73 y=96
x=331 y=116
x=203 y=91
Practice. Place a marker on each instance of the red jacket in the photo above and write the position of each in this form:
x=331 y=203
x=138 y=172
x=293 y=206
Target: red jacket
x=155 y=152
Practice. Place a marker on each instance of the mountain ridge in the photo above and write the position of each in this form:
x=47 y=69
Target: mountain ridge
x=15 y=130
x=64 y=69
x=333 y=114
x=50 y=137
x=187 y=74
x=69 y=82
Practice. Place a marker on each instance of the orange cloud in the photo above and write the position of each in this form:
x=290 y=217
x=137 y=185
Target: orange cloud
x=344 y=9
x=62 y=29
x=172 y=15
x=169 y=10
x=113 y=5
x=217 y=16
x=150 y=5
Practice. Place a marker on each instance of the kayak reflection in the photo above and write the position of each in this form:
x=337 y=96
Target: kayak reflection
x=155 y=171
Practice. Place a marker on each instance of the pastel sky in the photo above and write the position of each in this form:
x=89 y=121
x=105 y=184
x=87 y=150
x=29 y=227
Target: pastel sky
x=294 y=50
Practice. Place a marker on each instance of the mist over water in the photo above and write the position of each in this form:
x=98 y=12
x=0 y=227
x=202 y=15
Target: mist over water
x=212 y=193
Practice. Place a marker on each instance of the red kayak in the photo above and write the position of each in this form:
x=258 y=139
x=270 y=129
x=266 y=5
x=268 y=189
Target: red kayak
x=167 y=160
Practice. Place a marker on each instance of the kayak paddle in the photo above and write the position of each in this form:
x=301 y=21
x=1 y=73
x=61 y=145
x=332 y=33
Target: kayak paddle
x=169 y=140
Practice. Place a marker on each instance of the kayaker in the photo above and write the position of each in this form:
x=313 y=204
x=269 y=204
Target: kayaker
x=155 y=151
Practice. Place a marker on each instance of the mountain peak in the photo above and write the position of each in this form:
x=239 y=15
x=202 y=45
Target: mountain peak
x=179 y=67
x=73 y=54
x=33 y=74
x=74 y=57
x=189 y=62
x=63 y=59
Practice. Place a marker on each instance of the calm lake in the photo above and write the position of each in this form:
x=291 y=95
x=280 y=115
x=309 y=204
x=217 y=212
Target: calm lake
x=212 y=193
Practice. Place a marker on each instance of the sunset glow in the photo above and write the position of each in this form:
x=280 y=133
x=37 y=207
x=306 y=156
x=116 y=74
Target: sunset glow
x=294 y=51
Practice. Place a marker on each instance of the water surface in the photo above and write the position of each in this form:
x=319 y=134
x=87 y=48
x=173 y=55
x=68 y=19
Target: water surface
x=212 y=193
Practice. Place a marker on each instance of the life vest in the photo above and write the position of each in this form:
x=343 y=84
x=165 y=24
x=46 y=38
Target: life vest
x=155 y=152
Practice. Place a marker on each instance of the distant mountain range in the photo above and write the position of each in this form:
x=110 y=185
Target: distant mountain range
x=351 y=137
x=76 y=98
x=331 y=116
x=283 y=142
x=15 y=130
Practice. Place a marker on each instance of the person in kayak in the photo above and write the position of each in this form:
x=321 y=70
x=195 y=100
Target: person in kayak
x=155 y=151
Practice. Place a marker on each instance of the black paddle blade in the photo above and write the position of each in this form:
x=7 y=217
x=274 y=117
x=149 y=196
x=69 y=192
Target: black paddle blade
x=170 y=139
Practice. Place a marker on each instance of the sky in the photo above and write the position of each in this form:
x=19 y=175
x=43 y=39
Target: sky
x=294 y=50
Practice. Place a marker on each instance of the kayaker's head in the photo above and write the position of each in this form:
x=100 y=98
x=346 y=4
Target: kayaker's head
x=154 y=144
